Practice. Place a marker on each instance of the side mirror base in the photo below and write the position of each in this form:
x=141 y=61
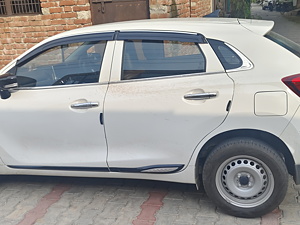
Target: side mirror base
x=5 y=94
x=7 y=82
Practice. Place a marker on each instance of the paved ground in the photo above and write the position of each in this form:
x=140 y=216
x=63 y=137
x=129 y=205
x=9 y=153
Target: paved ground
x=285 y=25
x=83 y=201
x=26 y=200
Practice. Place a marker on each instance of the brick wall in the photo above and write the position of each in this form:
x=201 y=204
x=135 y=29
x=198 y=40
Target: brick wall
x=19 y=33
x=179 y=8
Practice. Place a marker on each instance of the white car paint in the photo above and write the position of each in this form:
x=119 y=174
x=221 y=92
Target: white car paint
x=241 y=114
x=148 y=123
x=143 y=124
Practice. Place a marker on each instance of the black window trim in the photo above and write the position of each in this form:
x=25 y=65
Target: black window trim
x=117 y=35
x=110 y=36
x=59 y=42
x=161 y=35
x=246 y=64
x=169 y=76
x=155 y=35
x=62 y=41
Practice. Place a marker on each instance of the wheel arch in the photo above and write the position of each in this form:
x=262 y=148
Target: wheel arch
x=266 y=137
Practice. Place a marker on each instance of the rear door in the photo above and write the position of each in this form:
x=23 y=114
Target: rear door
x=167 y=92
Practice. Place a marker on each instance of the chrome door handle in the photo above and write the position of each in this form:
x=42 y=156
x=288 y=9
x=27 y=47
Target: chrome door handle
x=201 y=96
x=85 y=105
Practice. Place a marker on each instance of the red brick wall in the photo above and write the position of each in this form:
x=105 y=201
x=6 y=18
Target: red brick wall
x=201 y=8
x=179 y=8
x=19 y=33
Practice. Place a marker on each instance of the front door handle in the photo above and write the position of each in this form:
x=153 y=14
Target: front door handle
x=85 y=105
x=201 y=96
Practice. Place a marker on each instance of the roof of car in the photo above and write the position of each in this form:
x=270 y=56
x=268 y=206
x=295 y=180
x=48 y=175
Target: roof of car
x=200 y=25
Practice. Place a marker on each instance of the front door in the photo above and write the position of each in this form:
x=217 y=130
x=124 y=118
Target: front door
x=53 y=120
x=169 y=93
x=106 y=11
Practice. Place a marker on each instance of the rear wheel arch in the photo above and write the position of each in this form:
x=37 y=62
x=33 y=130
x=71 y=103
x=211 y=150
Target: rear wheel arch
x=278 y=145
x=245 y=177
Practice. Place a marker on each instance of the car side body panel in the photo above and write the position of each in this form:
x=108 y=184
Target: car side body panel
x=239 y=87
x=149 y=121
x=40 y=127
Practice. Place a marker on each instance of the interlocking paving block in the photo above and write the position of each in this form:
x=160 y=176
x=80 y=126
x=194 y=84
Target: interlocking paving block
x=290 y=215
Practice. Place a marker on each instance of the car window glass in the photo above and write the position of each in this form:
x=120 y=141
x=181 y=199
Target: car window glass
x=228 y=58
x=284 y=42
x=74 y=63
x=146 y=59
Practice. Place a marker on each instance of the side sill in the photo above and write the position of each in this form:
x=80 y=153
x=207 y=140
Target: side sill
x=61 y=168
x=155 y=169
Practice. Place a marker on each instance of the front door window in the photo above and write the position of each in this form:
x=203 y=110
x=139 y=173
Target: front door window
x=74 y=63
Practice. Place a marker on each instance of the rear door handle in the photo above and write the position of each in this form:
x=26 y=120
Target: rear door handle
x=85 y=105
x=201 y=96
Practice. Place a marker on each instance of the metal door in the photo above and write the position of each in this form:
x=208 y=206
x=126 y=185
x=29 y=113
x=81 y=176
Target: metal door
x=106 y=11
x=157 y=122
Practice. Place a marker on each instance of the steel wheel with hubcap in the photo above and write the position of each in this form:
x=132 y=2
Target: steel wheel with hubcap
x=245 y=177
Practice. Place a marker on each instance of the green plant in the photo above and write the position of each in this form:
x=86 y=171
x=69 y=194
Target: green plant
x=241 y=9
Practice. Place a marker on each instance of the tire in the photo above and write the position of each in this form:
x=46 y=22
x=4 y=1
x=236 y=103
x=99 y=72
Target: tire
x=245 y=177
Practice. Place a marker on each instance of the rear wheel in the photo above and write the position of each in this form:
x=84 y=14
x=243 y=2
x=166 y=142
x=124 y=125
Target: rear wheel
x=245 y=177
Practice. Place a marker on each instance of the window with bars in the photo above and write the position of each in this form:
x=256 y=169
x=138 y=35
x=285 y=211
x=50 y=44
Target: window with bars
x=17 y=7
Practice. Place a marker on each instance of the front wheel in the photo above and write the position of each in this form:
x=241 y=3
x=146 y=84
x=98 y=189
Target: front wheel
x=245 y=177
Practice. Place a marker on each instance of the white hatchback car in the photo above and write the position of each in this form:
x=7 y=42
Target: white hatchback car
x=181 y=100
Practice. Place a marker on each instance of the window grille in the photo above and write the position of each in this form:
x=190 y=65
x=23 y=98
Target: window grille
x=2 y=8
x=17 y=7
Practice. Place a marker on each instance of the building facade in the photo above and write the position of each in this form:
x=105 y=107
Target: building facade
x=24 y=23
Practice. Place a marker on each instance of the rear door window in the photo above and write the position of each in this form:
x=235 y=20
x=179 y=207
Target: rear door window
x=158 y=58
